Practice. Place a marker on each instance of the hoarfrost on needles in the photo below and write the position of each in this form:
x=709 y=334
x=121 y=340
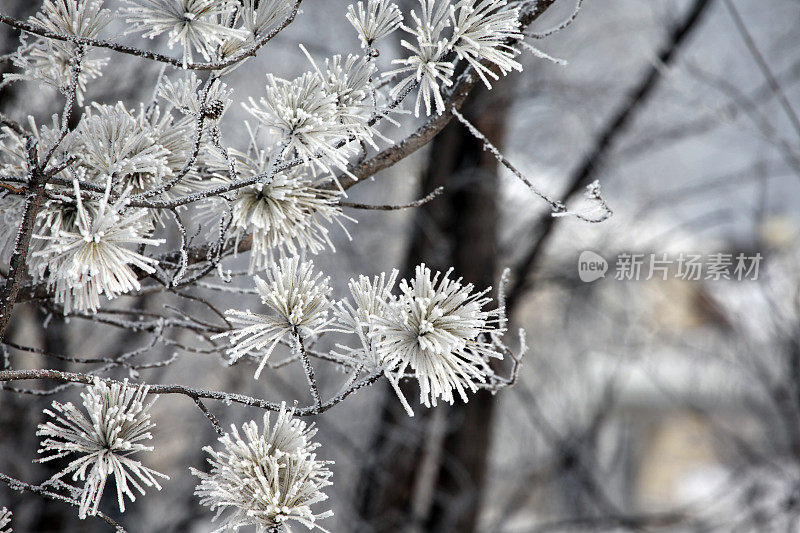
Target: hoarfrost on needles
x=118 y=421
x=265 y=478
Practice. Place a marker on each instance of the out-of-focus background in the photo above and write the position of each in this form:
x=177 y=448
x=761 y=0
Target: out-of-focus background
x=643 y=405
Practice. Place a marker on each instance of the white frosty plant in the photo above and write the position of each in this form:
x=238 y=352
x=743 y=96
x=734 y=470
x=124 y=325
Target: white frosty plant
x=51 y=62
x=265 y=479
x=5 y=521
x=118 y=421
x=185 y=94
x=110 y=141
x=435 y=328
x=480 y=29
x=262 y=15
x=370 y=299
x=84 y=197
x=298 y=304
x=289 y=213
x=305 y=117
x=377 y=20
x=96 y=259
x=198 y=25
x=426 y=65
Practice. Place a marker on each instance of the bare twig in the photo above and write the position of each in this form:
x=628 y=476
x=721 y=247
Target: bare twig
x=558 y=208
x=209 y=415
x=309 y=370
x=391 y=207
x=752 y=47
x=567 y=22
x=16 y=484
x=584 y=174
x=226 y=397
x=154 y=56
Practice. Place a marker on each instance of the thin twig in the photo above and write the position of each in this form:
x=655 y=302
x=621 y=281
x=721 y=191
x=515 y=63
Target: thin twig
x=209 y=415
x=558 y=208
x=752 y=47
x=13 y=124
x=147 y=54
x=391 y=207
x=548 y=33
x=309 y=370
x=16 y=484
x=226 y=397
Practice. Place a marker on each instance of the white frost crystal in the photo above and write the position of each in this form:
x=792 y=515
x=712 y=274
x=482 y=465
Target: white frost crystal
x=95 y=258
x=5 y=521
x=195 y=24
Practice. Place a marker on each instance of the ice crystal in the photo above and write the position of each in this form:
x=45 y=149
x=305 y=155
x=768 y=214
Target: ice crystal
x=5 y=521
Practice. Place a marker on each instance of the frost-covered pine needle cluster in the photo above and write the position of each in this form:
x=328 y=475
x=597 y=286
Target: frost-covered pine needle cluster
x=287 y=214
x=5 y=521
x=475 y=30
x=101 y=445
x=369 y=300
x=50 y=61
x=90 y=196
x=298 y=305
x=198 y=25
x=377 y=20
x=266 y=478
x=437 y=328
x=321 y=119
x=436 y=331
x=96 y=257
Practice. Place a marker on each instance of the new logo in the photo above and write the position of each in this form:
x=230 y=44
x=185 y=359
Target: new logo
x=591 y=266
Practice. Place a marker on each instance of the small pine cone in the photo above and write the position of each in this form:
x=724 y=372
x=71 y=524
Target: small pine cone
x=214 y=109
